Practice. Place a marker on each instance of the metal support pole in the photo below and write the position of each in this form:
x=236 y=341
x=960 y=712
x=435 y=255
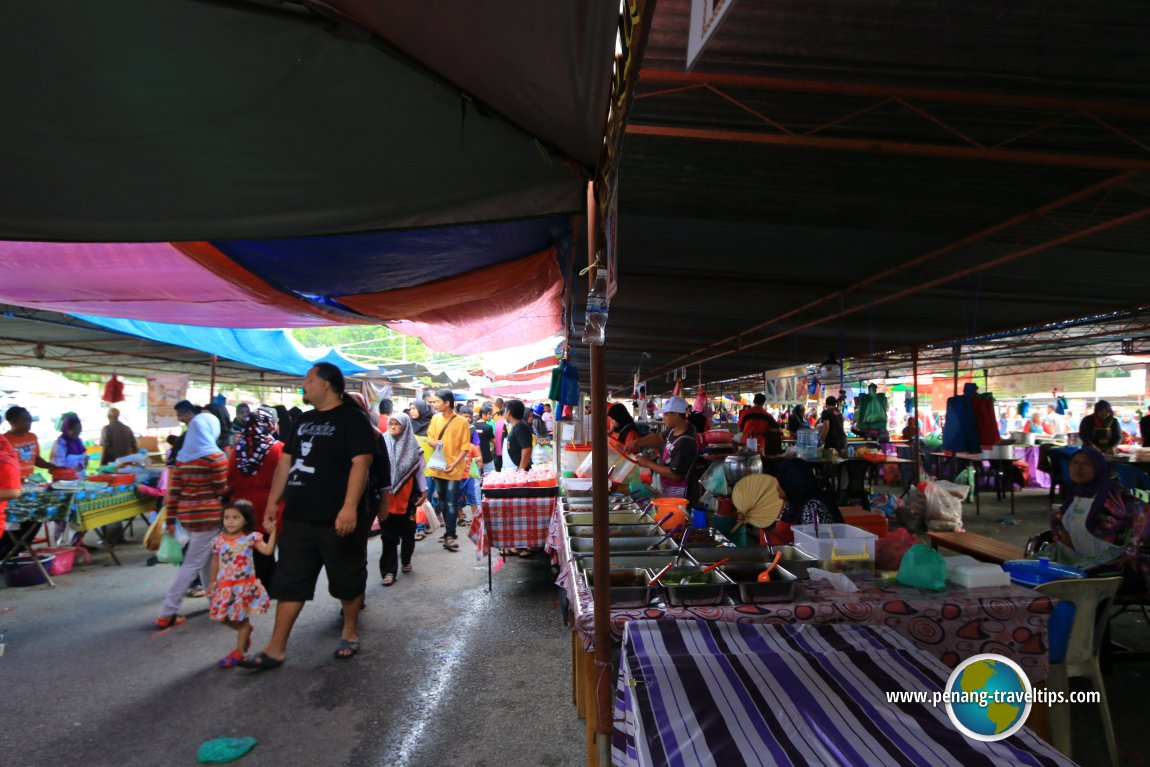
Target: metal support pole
x=917 y=436
x=956 y=348
x=212 y=386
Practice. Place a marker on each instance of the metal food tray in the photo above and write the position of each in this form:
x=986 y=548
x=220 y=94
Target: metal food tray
x=623 y=544
x=617 y=531
x=781 y=587
x=650 y=560
x=796 y=561
x=614 y=518
x=694 y=595
x=637 y=592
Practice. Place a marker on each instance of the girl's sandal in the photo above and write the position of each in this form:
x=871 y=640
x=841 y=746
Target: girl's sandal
x=231 y=659
x=169 y=621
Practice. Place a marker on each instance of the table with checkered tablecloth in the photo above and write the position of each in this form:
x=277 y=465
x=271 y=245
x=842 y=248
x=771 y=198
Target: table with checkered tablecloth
x=511 y=523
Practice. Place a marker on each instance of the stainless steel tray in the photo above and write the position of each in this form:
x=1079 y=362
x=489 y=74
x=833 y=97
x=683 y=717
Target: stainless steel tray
x=617 y=531
x=694 y=595
x=622 y=544
x=614 y=518
x=650 y=560
x=797 y=562
x=632 y=589
x=781 y=587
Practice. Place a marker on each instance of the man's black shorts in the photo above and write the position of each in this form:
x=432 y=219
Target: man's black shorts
x=305 y=548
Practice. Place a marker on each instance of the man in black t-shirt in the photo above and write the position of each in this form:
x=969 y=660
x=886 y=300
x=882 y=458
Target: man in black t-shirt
x=322 y=478
x=486 y=439
x=831 y=431
x=517 y=442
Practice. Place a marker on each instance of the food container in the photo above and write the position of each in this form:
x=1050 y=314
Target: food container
x=797 y=562
x=677 y=507
x=617 y=531
x=620 y=544
x=576 y=487
x=705 y=588
x=646 y=560
x=738 y=466
x=718 y=437
x=1000 y=452
x=574 y=455
x=614 y=518
x=1035 y=572
x=745 y=575
x=978 y=575
x=629 y=586
x=839 y=548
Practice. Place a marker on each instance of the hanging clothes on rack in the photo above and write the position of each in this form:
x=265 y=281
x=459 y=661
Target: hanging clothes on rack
x=986 y=420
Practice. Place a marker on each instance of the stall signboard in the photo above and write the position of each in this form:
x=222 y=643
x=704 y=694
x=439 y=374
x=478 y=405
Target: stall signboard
x=706 y=15
x=164 y=391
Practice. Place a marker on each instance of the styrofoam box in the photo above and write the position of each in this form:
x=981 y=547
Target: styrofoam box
x=838 y=547
x=979 y=575
x=958 y=561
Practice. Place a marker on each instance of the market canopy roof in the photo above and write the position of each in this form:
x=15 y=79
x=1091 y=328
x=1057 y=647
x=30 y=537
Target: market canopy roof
x=853 y=179
x=310 y=163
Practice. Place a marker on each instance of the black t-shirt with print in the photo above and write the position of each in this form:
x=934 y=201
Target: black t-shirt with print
x=322 y=446
x=486 y=440
x=684 y=448
x=519 y=440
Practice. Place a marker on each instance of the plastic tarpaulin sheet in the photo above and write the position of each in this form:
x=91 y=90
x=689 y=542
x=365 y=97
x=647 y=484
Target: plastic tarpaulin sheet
x=152 y=281
x=268 y=349
x=511 y=304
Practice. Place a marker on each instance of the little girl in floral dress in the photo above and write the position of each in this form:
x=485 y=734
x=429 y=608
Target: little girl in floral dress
x=237 y=594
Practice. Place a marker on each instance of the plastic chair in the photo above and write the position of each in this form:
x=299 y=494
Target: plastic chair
x=1091 y=598
x=854 y=483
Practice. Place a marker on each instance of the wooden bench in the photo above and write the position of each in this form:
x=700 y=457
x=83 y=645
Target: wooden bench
x=978 y=546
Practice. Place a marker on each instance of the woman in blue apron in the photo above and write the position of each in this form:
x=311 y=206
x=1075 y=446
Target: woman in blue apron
x=678 y=450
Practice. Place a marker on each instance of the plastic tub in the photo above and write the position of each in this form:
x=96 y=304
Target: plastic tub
x=840 y=548
x=1035 y=572
x=574 y=455
x=65 y=558
x=22 y=571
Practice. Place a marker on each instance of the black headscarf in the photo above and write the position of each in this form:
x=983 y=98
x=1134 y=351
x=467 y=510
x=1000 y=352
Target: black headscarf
x=283 y=422
x=421 y=423
x=624 y=422
x=798 y=482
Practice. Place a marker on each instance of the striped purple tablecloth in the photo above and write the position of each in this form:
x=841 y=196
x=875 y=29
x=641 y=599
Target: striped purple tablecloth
x=698 y=693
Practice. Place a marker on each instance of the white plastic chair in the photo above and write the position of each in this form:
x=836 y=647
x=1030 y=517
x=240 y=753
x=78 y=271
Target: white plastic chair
x=1091 y=598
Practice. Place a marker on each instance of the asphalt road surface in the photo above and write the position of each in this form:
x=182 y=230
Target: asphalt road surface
x=447 y=674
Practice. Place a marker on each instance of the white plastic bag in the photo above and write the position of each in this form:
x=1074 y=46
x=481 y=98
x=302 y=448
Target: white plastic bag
x=432 y=518
x=715 y=480
x=838 y=581
x=943 y=507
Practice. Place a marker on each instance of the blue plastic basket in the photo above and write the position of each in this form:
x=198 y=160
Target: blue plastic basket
x=1035 y=572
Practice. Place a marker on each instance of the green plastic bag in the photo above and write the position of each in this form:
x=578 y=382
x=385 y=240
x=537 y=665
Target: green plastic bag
x=922 y=567
x=170 y=551
x=224 y=750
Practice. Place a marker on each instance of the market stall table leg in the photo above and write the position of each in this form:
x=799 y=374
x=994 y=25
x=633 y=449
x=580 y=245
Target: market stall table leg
x=24 y=543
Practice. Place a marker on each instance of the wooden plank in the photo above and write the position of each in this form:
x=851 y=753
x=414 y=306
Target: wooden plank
x=978 y=546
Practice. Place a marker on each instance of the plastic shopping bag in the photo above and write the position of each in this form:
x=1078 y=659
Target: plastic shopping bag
x=438 y=459
x=923 y=567
x=715 y=480
x=943 y=507
x=170 y=551
x=889 y=551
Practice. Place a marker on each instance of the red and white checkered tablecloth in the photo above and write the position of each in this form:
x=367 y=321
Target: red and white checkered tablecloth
x=510 y=523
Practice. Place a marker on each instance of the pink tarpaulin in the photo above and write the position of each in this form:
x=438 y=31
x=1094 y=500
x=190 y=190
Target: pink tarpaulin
x=142 y=281
x=512 y=388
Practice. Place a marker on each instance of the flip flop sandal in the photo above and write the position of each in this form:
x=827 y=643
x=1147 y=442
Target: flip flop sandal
x=347 y=650
x=389 y=579
x=261 y=661
x=168 y=621
x=231 y=659
x=420 y=536
x=451 y=545
x=407 y=568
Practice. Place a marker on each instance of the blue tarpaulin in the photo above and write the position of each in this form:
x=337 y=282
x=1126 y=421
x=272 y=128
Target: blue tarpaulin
x=268 y=349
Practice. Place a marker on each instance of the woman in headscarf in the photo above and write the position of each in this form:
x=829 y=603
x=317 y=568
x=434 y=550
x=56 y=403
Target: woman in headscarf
x=11 y=485
x=243 y=410
x=68 y=451
x=622 y=423
x=803 y=502
x=250 y=473
x=283 y=423
x=197 y=482
x=220 y=411
x=408 y=492
x=420 y=413
x=1102 y=529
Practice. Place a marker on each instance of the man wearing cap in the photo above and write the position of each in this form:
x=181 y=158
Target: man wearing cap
x=1101 y=429
x=679 y=449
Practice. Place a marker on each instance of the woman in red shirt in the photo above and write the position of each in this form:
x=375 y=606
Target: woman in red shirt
x=250 y=473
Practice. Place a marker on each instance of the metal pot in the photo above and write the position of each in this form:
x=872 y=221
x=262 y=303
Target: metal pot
x=738 y=466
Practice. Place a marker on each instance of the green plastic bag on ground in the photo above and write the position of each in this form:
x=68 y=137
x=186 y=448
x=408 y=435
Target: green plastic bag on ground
x=922 y=567
x=170 y=551
x=224 y=750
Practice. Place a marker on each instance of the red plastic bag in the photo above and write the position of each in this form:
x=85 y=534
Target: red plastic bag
x=888 y=551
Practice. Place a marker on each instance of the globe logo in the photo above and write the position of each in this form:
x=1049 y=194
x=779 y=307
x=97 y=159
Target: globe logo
x=988 y=697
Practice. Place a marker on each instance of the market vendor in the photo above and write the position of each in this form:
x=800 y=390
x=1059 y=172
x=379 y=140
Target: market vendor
x=1102 y=529
x=679 y=449
x=10 y=487
x=623 y=426
x=68 y=451
x=803 y=502
x=755 y=422
x=24 y=442
x=1101 y=428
